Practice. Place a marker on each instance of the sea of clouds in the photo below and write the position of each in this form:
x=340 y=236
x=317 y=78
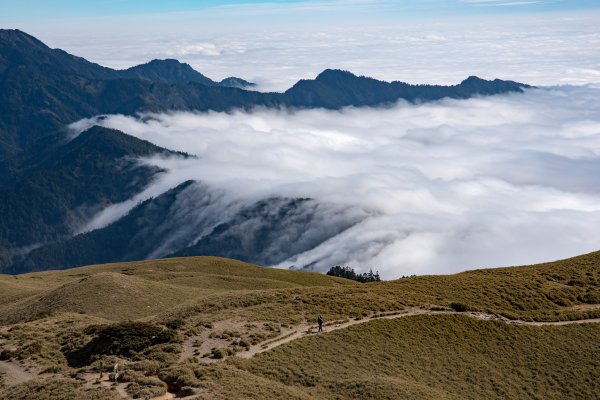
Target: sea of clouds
x=276 y=45
x=445 y=186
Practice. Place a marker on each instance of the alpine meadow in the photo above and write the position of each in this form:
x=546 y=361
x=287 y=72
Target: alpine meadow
x=299 y=199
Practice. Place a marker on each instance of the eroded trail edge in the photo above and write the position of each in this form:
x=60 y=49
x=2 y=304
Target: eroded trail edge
x=16 y=373
x=306 y=329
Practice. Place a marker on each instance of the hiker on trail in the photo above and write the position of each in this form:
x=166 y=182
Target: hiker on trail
x=320 y=322
x=115 y=372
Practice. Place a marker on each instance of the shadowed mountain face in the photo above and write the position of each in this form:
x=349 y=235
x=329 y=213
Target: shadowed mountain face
x=333 y=89
x=61 y=189
x=52 y=185
x=272 y=230
x=193 y=219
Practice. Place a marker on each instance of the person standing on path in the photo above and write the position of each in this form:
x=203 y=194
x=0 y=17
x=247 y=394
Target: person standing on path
x=320 y=322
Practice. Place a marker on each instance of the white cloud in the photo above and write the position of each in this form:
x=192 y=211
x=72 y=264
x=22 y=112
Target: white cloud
x=194 y=49
x=450 y=185
x=544 y=49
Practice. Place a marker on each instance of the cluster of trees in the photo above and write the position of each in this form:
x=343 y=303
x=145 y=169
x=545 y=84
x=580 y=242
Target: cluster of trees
x=349 y=273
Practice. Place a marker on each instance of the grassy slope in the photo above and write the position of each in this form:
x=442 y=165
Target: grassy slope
x=544 y=292
x=418 y=357
x=53 y=389
x=432 y=357
x=107 y=294
x=139 y=289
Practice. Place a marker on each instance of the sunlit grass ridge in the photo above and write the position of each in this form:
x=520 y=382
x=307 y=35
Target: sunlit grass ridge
x=77 y=322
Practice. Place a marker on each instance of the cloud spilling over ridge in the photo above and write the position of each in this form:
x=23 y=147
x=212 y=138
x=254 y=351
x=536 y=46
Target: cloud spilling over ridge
x=448 y=186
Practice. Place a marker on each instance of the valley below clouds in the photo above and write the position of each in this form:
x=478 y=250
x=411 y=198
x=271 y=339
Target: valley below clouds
x=412 y=188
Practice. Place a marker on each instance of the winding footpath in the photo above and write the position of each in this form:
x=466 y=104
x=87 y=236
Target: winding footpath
x=15 y=373
x=305 y=329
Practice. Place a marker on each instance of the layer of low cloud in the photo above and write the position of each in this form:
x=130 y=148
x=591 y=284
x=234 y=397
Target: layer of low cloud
x=544 y=49
x=448 y=186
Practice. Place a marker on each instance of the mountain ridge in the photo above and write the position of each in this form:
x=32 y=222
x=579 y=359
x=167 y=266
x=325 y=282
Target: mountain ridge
x=166 y=70
x=46 y=195
x=45 y=89
x=49 y=200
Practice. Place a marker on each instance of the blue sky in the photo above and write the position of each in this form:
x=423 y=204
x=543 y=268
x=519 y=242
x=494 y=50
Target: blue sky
x=28 y=10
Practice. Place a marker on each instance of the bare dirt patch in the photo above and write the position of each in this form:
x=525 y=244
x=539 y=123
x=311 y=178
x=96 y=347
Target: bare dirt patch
x=227 y=337
x=15 y=373
x=582 y=307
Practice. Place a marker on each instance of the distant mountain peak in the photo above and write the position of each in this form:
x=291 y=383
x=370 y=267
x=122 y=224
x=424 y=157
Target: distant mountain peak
x=166 y=62
x=483 y=86
x=329 y=74
x=236 y=83
x=16 y=36
x=168 y=71
x=472 y=79
x=173 y=71
x=18 y=41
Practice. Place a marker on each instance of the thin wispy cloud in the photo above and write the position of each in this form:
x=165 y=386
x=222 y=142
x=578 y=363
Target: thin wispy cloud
x=500 y=3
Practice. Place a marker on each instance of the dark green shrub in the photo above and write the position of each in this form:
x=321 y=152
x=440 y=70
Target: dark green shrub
x=459 y=307
x=124 y=339
x=141 y=391
x=6 y=355
x=218 y=353
x=180 y=379
x=175 y=324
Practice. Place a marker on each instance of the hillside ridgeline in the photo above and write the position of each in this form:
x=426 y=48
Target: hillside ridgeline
x=410 y=335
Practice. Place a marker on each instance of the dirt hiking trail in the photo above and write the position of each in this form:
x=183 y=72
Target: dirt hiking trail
x=14 y=373
x=307 y=329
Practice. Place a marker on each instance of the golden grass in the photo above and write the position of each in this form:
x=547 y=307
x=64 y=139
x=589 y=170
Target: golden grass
x=170 y=268
x=209 y=287
x=139 y=289
x=225 y=382
x=545 y=292
x=432 y=357
x=107 y=295
x=12 y=289
x=538 y=292
x=425 y=357
x=55 y=389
